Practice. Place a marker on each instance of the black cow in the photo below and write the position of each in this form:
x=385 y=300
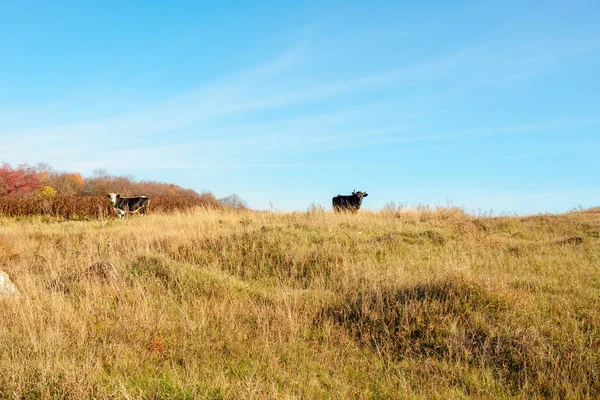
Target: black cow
x=123 y=205
x=348 y=203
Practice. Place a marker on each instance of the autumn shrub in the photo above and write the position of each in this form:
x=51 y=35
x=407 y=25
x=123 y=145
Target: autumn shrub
x=47 y=192
x=16 y=181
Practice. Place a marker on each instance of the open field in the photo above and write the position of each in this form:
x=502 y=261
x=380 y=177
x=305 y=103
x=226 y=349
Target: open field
x=223 y=304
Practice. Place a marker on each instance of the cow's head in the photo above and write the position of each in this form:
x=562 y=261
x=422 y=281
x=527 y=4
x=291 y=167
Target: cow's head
x=113 y=197
x=360 y=194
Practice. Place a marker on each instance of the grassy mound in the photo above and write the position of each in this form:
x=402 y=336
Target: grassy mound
x=463 y=323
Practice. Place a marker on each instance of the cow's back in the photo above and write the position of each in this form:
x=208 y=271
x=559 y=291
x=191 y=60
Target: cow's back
x=138 y=202
x=340 y=203
x=133 y=203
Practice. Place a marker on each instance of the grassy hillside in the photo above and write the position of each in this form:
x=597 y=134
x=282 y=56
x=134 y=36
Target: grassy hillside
x=214 y=304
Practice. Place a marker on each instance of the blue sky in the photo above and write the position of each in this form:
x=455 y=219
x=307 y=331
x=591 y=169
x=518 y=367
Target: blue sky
x=481 y=104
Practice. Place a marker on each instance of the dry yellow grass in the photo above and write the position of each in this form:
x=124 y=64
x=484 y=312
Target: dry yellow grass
x=213 y=304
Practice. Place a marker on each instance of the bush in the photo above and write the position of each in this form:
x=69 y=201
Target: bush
x=234 y=201
x=15 y=181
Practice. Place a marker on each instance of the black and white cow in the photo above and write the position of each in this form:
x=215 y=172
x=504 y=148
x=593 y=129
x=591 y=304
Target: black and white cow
x=350 y=203
x=123 y=205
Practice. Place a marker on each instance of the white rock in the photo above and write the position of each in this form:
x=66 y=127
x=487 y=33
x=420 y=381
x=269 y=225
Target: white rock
x=7 y=288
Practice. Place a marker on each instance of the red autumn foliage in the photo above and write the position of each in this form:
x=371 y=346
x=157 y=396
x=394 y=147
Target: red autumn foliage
x=17 y=181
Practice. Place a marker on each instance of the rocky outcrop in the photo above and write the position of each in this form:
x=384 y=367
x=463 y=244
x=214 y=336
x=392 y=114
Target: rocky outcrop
x=7 y=288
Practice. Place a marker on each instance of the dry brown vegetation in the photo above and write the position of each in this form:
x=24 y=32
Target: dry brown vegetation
x=93 y=207
x=221 y=304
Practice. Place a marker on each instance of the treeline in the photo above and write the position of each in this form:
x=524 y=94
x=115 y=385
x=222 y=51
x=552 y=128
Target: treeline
x=40 y=190
x=45 y=182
